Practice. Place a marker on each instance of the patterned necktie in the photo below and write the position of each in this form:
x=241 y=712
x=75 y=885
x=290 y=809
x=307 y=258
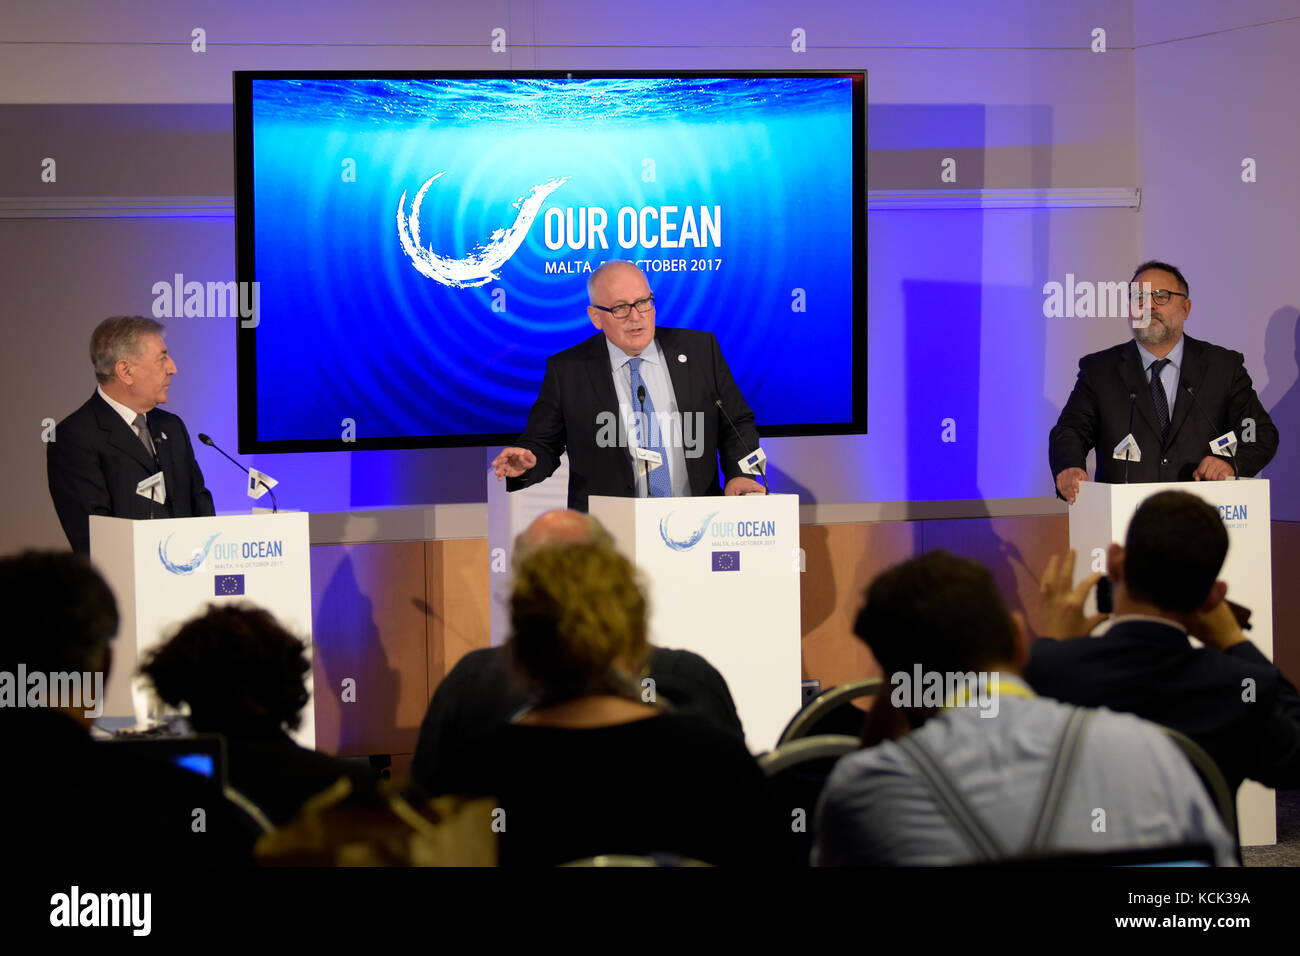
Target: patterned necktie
x=142 y=429
x=1160 y=398
x=661 y=485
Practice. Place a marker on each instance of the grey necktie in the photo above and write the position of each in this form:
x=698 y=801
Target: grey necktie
x=142 y=429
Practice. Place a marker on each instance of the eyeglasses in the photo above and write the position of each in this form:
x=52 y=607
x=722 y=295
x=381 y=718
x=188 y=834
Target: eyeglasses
x=1159 y=296
x=623 y=310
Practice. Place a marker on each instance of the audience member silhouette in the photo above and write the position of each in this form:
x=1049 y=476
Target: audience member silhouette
x=1226 y=695
x=591 y=768
x=243 y=676
x=480 y=693
x=972 y=766
x=70 y=802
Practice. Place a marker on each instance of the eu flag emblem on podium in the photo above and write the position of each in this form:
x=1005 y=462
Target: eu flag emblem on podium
x=228 y=584
x=726 y=560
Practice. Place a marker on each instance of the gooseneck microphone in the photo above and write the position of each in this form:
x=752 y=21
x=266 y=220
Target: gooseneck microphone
x=1132 y=402
x=1232 y=452
x=207 y=440
x=760 y=467
x=645 y=465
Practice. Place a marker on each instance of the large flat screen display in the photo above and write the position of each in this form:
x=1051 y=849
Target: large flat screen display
x=421 y=243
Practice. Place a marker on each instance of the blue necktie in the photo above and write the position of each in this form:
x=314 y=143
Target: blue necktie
x=1160 y=398
x=661 y=485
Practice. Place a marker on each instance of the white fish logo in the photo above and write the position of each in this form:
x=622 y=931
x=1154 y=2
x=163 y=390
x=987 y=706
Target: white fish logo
x=688 y=542
x=197 y=556
x=479 y=267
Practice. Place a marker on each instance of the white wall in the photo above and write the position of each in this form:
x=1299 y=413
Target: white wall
x=1213 y=89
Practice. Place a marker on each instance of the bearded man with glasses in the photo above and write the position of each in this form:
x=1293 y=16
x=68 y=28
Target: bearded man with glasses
x=635 y=385
x=1178 y=392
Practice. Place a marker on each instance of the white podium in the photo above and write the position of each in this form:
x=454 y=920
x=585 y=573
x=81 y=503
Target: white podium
x=1101 y=515
x=509 y=513
x=166 y=571
x=723 y=577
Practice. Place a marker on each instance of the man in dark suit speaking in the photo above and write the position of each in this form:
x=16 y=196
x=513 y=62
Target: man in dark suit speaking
x=635 y=385
x=99 y=455
x=1178 y=392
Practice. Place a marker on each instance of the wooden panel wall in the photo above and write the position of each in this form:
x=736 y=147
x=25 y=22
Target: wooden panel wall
x=842 y=559
x=1286 y=598
x=457 y=585
x=369 y=624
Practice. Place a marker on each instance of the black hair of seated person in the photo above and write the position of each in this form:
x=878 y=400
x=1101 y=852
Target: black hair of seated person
x=1174 y=550
x=238 y=669
x=938 y=610
x=60 y=614
x=1163 y=267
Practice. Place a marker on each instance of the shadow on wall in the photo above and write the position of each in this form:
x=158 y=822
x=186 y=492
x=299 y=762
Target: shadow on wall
x=347 y=647
x=1282 y=399
x=817 y=597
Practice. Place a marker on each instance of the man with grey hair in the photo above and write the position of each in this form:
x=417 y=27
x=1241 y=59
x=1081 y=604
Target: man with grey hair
x=99 y=455
x=635 y=386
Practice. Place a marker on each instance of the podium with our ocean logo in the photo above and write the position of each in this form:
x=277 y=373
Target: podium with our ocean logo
x=1101 y=514
x=723 y=577
x=165 y=571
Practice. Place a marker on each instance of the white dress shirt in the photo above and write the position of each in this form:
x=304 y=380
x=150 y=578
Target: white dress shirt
x=1169 y=374
x=128 y=415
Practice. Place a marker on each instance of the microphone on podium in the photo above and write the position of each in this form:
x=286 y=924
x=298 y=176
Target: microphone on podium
x=644 y=453
x=1128 y=447
x=255 y=477
x=1225 y=442
x=754 y=463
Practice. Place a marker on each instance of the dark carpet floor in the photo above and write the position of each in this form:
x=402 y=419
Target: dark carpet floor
x=1287 y=850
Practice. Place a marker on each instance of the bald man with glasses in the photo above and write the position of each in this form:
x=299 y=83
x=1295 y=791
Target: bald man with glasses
x=635 y=385
x=1178 y=392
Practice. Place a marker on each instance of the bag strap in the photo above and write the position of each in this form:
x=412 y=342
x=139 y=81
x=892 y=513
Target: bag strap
x=968 y=824
x=1051 y=803
x=1056 y=785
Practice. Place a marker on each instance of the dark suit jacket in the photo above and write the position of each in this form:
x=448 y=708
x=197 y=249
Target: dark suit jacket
x=1097 y=415
x=279 y=776
x=579 y=386
x=480 y=693
x=1151 y=670
x=96 y=460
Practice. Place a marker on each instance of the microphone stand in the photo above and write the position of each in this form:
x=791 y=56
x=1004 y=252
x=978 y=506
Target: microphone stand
x=645 y=465
x=762 y=468
x=211 y=444
x=1232 y=455
x=1128 y=452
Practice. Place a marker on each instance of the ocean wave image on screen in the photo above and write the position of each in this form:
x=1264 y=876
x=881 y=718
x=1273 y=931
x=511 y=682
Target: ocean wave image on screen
x=420 y=244
x=481 y=264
